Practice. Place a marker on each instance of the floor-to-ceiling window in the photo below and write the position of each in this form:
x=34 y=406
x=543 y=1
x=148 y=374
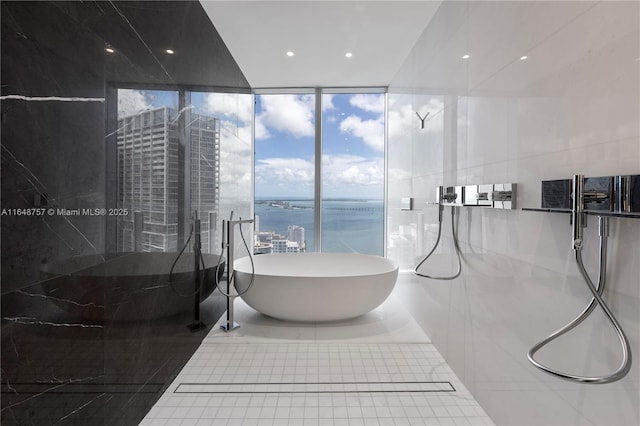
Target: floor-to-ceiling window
x=319 y=172
x=181 y=154
x=353 y=172
x=230 y=163
x=148 y=170
x=285 y=127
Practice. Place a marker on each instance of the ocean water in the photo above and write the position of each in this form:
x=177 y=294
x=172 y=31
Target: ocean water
x=348 y=226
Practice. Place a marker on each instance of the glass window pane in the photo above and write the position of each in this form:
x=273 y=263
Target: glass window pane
x=284 y=172
x=222 y=161
x=148 y=170
x=353 y=173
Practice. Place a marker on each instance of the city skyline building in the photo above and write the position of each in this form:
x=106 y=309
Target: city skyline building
x=295 y=233
x=266 y=242
x=151 y=173
x=283 y=245
x=262 y=242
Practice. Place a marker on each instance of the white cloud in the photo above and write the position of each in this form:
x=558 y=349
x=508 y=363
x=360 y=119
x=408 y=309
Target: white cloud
x=245 y=133
x=290 y=171
x=232 y=106
x=352 y=170
x=236 y=165
x=343 y=176
x=402 y=120
x=368 y=102
x=131 y=102
x=371 y=131
x=293 y=114
x=327 y=102
x=261 y=130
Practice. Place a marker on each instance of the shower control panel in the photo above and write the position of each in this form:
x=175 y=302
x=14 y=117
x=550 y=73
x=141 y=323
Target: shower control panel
x=613 y=194
x=497 y=196
x=504 y=196
x=627 y=193
x=450 y=195
x=478 y=195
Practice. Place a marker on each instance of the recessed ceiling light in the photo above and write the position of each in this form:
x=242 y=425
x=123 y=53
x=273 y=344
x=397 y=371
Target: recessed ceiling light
x=348 y=54
x=290 y=53
x=170 y=51
x=466 y=56
x=522 y=58
x=110 y=49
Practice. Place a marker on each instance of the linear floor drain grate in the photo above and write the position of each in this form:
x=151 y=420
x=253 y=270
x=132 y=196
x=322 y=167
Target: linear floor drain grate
x=321 y=387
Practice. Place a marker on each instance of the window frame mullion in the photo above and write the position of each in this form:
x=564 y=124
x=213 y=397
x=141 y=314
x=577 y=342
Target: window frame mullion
x=317 y=202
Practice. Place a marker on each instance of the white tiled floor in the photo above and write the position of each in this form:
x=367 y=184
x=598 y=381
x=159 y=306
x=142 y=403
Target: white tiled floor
x=378 y=369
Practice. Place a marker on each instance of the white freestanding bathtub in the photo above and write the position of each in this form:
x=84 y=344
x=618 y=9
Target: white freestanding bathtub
x=316 y=286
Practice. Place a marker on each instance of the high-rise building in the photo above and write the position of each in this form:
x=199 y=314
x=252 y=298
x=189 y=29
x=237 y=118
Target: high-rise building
x=205 y=174
x=151 y=175
x=262 y=242
x=295 y=233
x=285 y=246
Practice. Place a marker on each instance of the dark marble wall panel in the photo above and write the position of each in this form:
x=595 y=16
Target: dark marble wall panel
x=201 y=58
x=52 y=158
x=52 y=150
x=62 y=365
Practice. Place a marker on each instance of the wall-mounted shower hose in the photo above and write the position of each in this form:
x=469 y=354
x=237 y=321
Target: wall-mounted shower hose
x=230 y=273
x=455 y=243
x=596 y=292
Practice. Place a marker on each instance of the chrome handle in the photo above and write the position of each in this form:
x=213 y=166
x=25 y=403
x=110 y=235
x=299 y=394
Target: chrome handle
x=501 y=195
x=595 y=196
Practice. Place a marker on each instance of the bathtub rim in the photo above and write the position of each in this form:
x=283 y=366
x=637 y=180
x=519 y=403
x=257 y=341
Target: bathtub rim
x=382 y=264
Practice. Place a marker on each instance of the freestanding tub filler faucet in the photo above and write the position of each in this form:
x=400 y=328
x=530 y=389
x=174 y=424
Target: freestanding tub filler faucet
x=228 y=244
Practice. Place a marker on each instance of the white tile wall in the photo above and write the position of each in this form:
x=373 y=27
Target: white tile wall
x=573 y=106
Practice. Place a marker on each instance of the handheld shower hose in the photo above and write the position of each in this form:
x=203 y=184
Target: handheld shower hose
x=596 y=292
x=455 y=243
x=201 y=262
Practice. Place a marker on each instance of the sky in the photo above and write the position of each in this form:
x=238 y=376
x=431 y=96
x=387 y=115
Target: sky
x=352 y=142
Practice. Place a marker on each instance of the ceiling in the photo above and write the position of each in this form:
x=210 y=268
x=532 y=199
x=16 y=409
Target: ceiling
x=379 y=34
